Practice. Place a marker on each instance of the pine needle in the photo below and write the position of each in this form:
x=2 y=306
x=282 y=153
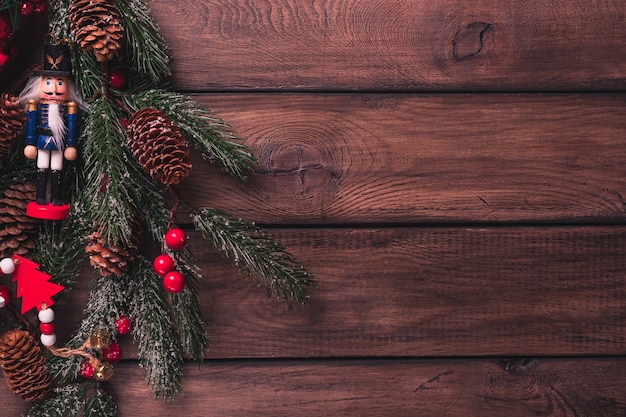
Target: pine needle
x=251 y=249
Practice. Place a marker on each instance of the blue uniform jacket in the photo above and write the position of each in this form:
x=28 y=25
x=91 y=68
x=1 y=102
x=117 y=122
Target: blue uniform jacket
x=38 y=132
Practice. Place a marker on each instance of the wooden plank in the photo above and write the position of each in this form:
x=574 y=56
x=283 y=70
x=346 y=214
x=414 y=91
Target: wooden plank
x=517 y=291
x=331 y=158
x=482 y=388
x=410 y=45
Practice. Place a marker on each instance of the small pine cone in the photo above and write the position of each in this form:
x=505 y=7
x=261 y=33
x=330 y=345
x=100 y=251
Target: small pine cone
x=17 y=230
x=12 y=117
x=159 y=146
x=111 y=259
x=97 y=27
x=24 y=365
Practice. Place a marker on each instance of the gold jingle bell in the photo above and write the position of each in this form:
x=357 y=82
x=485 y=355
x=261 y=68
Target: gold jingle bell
x=103 y=371
x=99 y=339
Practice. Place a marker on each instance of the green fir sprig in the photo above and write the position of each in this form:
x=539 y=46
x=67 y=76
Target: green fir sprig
x=109 y=175
x=252 y=250
x=68 y=401
x=158 y=348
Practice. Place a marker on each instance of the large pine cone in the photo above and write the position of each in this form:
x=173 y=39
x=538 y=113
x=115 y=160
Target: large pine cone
x=158 y=145
x=17 y=230
x=24 y=365
x=97 y=27
x=12 y=117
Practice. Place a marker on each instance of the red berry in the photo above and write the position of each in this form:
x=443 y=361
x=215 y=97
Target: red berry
x=163 y=264
x=5 y=294
x=46 y=328
x=117 y=80
x=112 y=353
x=40 y=6
x=173 y=282
x=86 y=370
x=176 y=238
x=26 y=8
x=122 y=325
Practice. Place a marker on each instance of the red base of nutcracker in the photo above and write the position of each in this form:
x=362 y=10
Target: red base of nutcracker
x=47 y=211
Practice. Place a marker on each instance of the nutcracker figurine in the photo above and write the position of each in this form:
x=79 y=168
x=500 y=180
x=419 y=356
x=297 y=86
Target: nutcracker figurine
x=51 y=127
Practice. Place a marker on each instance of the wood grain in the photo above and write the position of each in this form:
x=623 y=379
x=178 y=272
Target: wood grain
x=455 y=388
x=443 y=45
x=425 y=292
x=342 y=159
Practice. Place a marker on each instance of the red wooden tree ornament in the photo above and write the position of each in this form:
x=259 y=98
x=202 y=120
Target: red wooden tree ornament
x=33 y=286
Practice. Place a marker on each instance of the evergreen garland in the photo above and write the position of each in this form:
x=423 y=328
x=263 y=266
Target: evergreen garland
x=108 y=191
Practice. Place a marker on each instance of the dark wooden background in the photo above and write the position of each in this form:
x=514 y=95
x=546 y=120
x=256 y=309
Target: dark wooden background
x=453 y=173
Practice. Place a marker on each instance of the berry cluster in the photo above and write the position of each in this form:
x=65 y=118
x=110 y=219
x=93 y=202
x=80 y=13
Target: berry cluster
x=27 y=7
x=163 y=264
x=110 y=352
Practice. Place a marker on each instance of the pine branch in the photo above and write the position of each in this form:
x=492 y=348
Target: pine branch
x=15 y=169
x=68 y=401
x=252 y=250
x=154 y=334
x=107 y=300
x=210 y=134
x=63 y=370
x=187 y=310
x=101 y=404
x=147 y=48
x=110 y=175
x=58 y=24
x=59 y=249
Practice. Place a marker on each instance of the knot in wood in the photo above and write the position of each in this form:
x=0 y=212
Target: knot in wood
x=469 y=40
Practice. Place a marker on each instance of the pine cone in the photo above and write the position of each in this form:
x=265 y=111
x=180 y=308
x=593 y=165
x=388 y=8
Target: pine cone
x=17 y=230
x=24 y=365
x=97 y=27
x=112 y=259
x=158 y=145
x=12 y=117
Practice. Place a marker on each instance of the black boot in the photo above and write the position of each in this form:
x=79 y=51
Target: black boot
x=42 y=183
x=55 y=188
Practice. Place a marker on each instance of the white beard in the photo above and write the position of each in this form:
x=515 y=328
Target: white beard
x=57 y=125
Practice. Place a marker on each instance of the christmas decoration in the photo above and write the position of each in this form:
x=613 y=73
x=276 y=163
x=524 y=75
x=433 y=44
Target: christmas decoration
x=5 y=296
x=176 y=239
x=163 y=264
x=173 y=282
x=112 y=353
x=24 y=365
x=117 y=80
x=135 y=139
x=86 y=369
x=51 y=127
x=122 y=324
x=7 y=38
x=33 y=286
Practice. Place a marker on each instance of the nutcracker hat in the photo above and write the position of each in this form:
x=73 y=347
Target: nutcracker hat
x=57 y=58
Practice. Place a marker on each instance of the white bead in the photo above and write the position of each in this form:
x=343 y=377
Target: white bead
x=3 y=302
x=48 y=339
x=7 y=266
x=46 y=315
